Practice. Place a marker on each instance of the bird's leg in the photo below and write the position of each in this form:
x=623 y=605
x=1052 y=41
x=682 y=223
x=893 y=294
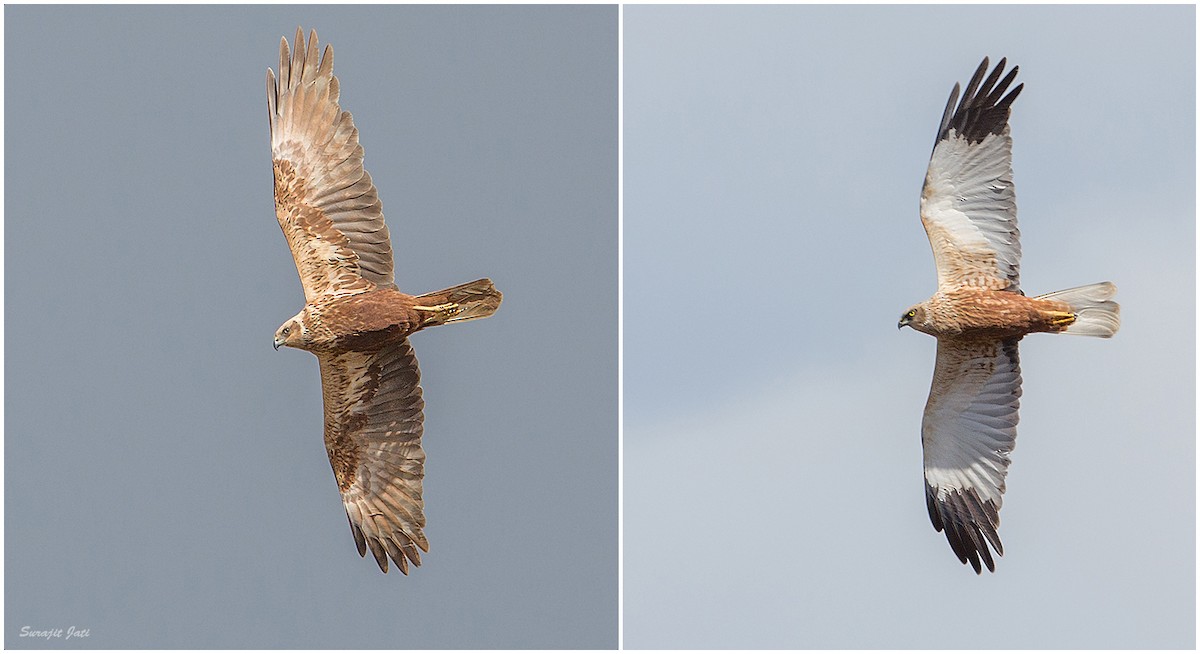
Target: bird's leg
x=1060 y=318
x=441 y=312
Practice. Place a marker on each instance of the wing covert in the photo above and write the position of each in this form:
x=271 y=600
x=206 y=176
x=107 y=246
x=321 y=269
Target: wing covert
x=374 y=417
x=968 y=431
x=968 y=205
x=325 y=201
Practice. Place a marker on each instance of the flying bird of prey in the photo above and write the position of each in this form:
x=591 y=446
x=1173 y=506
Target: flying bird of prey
x=979 y=314
x=355 y=320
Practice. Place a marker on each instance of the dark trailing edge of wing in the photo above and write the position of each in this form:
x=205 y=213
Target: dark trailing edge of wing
x=970 y=525
x=984 y=108
x=381 y=549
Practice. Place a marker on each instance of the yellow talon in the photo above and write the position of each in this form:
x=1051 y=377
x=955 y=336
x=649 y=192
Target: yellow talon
x=448 y=310
x=1061 y=319
x=437 y=307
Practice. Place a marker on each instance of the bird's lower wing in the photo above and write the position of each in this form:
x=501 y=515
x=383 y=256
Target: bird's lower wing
x=374 y=416
x=968 y=432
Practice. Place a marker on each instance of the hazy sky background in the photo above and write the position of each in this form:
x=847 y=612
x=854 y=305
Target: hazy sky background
x=167 y=485
x=773 y=488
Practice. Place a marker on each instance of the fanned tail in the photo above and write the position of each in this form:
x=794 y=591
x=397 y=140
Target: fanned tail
x=1095 y=313
x=477 y=299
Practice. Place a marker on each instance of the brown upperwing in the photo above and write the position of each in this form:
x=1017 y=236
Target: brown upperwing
x=373 y=426
x=325 y=201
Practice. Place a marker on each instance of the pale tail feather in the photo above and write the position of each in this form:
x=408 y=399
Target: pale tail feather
x=477 y=299
x=1095 y=313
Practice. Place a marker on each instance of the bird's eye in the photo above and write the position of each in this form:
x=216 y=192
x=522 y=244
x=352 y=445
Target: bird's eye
x=286 y=330
x=912 y=314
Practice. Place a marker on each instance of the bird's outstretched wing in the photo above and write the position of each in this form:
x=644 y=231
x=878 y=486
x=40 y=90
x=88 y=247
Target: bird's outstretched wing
x=373 y=424
x=969 y=429
x=967 y=205
x=324 y=200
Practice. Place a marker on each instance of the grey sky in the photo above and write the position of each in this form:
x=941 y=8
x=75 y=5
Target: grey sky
x=773 y=159
x=166 y=480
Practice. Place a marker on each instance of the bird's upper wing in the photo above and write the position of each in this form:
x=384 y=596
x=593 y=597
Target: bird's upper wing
x=373 y=424
x=969 y=429
x=967 y=205
x=324 y=200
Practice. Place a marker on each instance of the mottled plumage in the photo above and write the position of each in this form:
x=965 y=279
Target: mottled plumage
x=355 y=320
x=979 y=314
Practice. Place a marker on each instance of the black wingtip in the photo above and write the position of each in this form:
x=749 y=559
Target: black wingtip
x=984 y=107
x=969 y=526
x=360 y=541
x=378 y=552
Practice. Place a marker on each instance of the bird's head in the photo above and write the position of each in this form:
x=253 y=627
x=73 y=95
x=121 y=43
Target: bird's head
x=914 y=317
x=292 y=333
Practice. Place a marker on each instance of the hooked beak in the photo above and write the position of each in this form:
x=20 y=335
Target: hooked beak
x=903 y=321
x=278 y=342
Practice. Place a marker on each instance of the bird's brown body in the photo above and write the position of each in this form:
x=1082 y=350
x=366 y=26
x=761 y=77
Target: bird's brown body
x=366 y=321
x=992 y=315
x=373 y=319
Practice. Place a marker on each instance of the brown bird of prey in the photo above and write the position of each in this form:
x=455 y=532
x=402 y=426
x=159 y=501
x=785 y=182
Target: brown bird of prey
x=355 y=320
x=979 y=314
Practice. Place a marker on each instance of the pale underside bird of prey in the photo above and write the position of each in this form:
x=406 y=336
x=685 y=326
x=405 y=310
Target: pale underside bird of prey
x=979 y=314
x=355 y=320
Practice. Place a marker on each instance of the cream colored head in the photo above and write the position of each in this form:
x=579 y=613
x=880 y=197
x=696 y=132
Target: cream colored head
x=292 y=333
